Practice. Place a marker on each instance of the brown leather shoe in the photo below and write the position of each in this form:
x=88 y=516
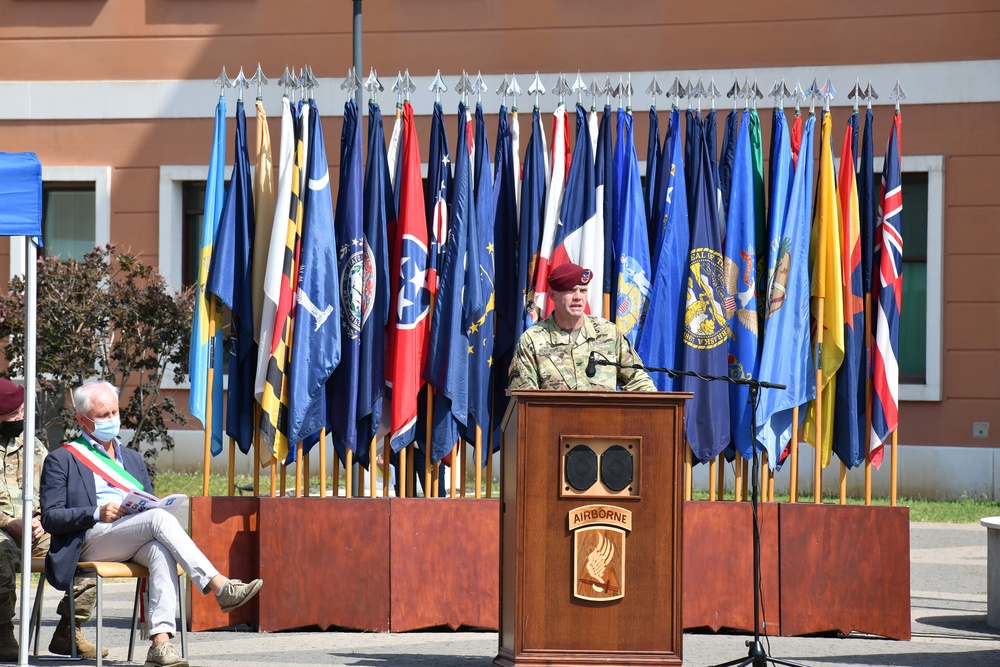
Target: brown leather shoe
x=62 y=645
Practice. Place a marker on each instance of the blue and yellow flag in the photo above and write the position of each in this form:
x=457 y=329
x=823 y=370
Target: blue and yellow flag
x=658 y=342
x=206 y=349
x=634 y=283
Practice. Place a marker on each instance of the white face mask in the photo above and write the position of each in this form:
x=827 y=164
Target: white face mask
x=106 y=429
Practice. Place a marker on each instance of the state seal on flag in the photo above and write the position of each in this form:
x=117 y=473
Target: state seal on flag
x=705 y=325
x=352 y=269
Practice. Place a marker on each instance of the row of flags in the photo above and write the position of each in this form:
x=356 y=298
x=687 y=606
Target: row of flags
x=393 y=306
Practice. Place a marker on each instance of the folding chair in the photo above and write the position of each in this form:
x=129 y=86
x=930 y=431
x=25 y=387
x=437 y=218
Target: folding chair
x=99 y=571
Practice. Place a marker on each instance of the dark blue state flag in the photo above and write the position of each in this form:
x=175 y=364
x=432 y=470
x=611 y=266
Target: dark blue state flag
x=654 y=154
x=229 y=279
x=605 y=184
x=509 y=298
x=727 y=156
x=458 y=301
x=705 y=329
x=437 y=196
x=529 y=232
x=659 y=337
x=316 y=335
x=694 y=132
x=379 y=216
x=867 y=205
x=481 y=331
x=348 y=226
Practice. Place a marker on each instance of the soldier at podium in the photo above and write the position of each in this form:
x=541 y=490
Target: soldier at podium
x=554 y=353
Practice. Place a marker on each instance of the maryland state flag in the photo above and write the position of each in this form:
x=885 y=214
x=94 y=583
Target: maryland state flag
x=274 y=401
x=827 y=299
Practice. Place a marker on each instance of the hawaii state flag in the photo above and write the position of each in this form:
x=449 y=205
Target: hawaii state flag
x=889 y=236
x=409 y=296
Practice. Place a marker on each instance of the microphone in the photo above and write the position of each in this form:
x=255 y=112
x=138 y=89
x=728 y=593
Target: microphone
x=592 y=365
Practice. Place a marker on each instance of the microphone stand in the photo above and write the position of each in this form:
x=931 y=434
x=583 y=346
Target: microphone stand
x=756 y=656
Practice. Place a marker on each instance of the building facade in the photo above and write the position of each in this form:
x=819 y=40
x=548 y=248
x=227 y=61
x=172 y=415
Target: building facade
x=116 y=97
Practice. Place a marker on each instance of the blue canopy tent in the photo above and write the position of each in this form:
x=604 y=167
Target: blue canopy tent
x=21 y=215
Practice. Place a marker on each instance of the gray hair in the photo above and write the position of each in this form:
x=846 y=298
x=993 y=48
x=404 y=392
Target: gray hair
x=84 y=394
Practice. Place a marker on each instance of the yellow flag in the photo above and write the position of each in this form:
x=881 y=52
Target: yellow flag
x=827 y=297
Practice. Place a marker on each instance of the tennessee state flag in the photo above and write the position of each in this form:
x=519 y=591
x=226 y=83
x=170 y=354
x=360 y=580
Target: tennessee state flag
x=410 y=297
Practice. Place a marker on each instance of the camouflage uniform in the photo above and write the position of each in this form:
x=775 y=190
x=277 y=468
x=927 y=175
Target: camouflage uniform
x=10 y=551
x=549 y=358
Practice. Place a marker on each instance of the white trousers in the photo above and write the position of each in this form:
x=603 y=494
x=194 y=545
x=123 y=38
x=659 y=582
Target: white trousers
x=155 y=539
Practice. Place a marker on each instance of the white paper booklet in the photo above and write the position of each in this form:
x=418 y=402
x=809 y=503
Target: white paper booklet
x=140 y=501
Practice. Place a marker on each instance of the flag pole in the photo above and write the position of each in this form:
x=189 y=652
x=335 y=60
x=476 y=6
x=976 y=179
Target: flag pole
x=463 y=457
x=688 y=471
x=386 y=456
x=209 y=406
x=430 y=425
x=372 y=469
x=712 y=478
x=401 y=472
x=868 y=401
x=299 y=453
x=322 y=463
x=818 y=445
x=894 y=454
x=454 y=470
x=305 y=474
x=349 y=472
x=793 y=488
x=478 y=460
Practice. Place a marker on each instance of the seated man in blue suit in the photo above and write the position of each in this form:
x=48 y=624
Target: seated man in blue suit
x=82 y=488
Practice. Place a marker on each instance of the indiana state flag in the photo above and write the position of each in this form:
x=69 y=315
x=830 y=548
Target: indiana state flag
x=705 y=329
x=458 y=302
x=741 y=290
x=631 y=240
x=658 y=343
x=206 y=348
x=482 y=330
x=230 y=279
x=315 y=346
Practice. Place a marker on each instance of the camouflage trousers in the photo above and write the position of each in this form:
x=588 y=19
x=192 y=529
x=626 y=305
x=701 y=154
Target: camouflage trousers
x=84 y=592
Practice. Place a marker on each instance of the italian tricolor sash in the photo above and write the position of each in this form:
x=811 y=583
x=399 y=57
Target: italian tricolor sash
x=98 y=461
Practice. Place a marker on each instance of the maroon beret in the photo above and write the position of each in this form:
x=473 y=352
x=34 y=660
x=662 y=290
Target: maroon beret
x=11 y=396
x=567 y=276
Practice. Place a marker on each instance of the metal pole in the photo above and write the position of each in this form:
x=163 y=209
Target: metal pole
x=357 y=48
x=28 y=448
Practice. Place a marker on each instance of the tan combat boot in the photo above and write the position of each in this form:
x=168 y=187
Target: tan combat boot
x=8 y=643
x=61 y=643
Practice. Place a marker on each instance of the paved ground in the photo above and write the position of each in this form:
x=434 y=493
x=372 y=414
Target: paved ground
x=948 y=602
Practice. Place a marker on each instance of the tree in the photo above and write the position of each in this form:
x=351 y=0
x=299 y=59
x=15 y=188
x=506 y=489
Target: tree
x=108 y=316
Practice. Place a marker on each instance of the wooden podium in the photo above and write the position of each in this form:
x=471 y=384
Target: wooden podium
x=590 y=529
